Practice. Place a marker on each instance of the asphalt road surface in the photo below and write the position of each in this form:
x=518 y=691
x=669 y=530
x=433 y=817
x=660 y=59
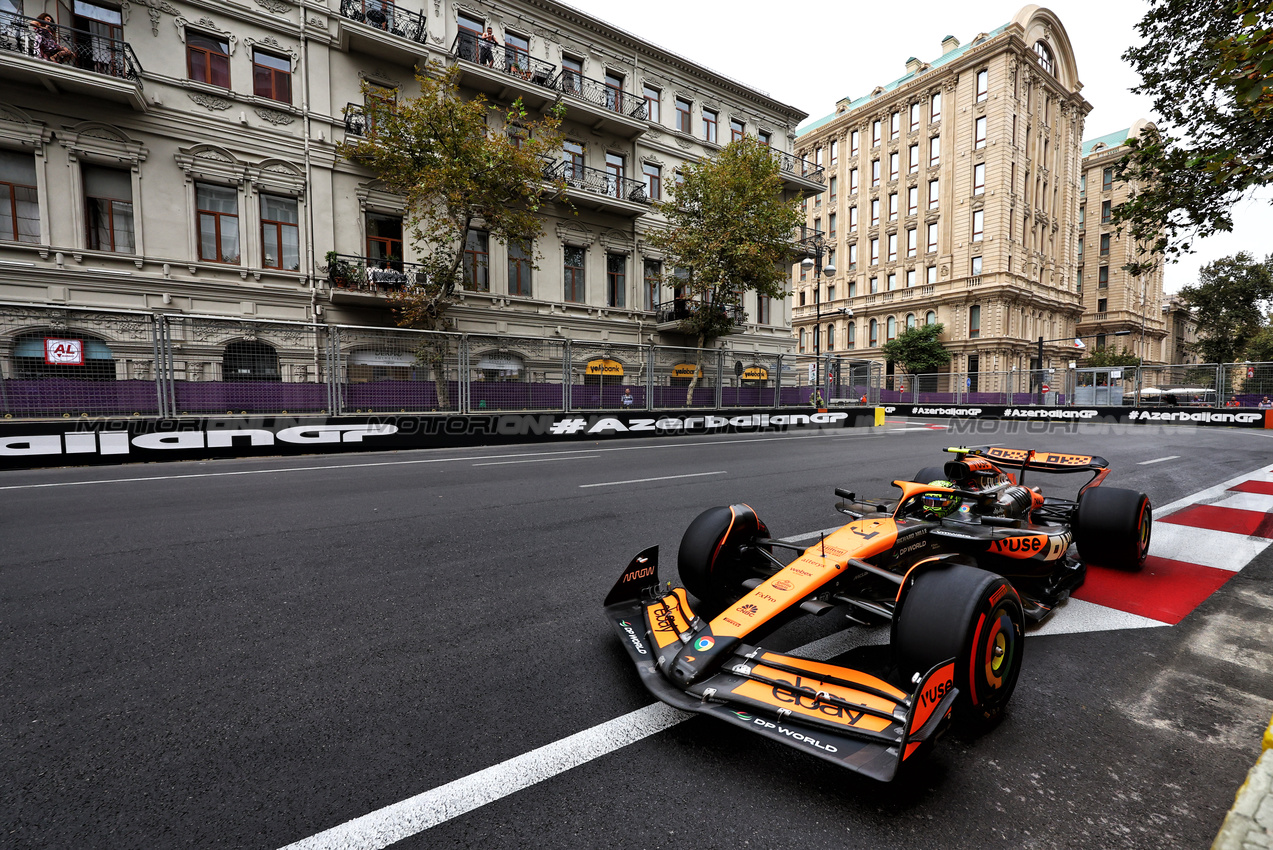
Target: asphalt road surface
x=254 y=653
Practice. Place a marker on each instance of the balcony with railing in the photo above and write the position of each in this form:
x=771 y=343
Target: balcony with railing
x=368 y=280
x=382 y=28
x=65 y=59
x=598 y=189
x=356 y=120
x=805 y=177
x=600 y=105
x=503 y=70
x=670 y=316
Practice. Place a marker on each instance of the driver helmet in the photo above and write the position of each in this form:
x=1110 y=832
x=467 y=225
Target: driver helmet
x=941 y=504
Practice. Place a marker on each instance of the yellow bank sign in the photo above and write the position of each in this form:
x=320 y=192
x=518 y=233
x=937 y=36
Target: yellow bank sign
x=686 y=370
x=613 y=368
x=755 y=373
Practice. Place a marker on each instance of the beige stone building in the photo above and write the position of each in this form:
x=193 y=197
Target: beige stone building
x=1112 y=299
x=952 y=197
x=1181 y=332
x=180 y=156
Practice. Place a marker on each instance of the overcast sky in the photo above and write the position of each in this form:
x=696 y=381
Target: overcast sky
x=812 y=54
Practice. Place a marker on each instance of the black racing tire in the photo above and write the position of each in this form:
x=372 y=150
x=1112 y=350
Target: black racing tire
x=711 y=560
x=1113 y=527
x=970 y=615
x=929 y=474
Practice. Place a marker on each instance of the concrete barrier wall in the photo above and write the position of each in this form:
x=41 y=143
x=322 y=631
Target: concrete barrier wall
x=84 y=442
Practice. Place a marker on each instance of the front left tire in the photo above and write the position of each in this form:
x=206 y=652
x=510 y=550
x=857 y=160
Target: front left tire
x=974 y=617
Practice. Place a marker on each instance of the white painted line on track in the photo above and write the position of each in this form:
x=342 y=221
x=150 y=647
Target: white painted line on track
x=1222 y=550
x=414 y=815
x=1074 y=616
x=537 y=460
x=1211 y=495
x=660 y=478
x=1158 y=460
x=1259 y=502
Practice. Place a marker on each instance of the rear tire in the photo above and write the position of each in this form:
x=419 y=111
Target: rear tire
x=970 y=615
x=711 y=561
x=1113 y=527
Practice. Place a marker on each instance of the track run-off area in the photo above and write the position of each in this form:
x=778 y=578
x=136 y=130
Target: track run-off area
x=407 y=649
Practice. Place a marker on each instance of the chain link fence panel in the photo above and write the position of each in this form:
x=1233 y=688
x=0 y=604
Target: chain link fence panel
x=685 y=377
x=398 y=370
x=242 y=366
x=73 y=363
x=508 y=373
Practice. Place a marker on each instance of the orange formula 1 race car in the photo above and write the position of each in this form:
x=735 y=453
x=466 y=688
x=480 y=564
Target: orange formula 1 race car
x=957 y=565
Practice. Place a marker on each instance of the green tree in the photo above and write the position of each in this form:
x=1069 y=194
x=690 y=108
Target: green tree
x=1207 y=66
x=459 y=165
x=728 y=226
x=918 y=350
x=1259 y=349
x=1109 y=357
x=1230 y=302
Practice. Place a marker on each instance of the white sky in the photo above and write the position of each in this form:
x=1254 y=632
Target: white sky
x=811 y=54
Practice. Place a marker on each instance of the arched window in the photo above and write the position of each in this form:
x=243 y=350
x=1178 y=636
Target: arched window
x=910 y=321
x=1044 y=54
x=250 y=360
x=930 y=318
x=875 y=334
x=830 y=337
x=62 y=354
x=853 y=336
x=892 y=328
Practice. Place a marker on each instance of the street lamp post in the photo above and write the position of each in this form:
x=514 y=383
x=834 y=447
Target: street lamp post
x=816 y=244
x=1065 y=339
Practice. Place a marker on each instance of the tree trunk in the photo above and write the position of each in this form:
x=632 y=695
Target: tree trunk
x=698 y=370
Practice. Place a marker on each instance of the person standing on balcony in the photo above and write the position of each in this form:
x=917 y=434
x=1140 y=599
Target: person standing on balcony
x=46 y=41
x=488 y=46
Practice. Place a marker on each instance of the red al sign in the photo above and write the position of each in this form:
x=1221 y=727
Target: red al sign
x=64 y=352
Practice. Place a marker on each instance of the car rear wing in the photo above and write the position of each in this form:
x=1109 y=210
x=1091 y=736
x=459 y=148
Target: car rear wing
x=1038 y=461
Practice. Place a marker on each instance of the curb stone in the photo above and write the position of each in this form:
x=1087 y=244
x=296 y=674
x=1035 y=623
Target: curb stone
x=1249 y=824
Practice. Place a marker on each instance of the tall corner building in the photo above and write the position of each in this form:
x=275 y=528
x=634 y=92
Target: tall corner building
x=181 y=157
x=1114 y=300
x=953 y=196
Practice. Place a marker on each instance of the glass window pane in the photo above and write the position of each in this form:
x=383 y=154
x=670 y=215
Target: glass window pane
x=220 y=199
x=123 y=221
x=269 y=246
x=274 y=208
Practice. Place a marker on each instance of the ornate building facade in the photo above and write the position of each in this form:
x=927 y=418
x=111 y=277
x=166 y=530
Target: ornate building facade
x=179 y=156
x=1114 y=300
x=952 y=197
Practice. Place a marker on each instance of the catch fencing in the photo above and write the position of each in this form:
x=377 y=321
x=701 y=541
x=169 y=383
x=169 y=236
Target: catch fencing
x=79 y=363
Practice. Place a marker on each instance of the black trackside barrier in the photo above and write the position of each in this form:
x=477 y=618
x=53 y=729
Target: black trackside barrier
x=1231 y=417
x=91 y=442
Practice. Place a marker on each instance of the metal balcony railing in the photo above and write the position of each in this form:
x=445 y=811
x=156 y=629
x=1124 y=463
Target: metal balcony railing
x=367 y=274
x=71 y=47
x=596 y=181
x=681 y=309
x=388 y=16
x=356 y=121
x=503 y=58
x=599 y=94
x=794 y=165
